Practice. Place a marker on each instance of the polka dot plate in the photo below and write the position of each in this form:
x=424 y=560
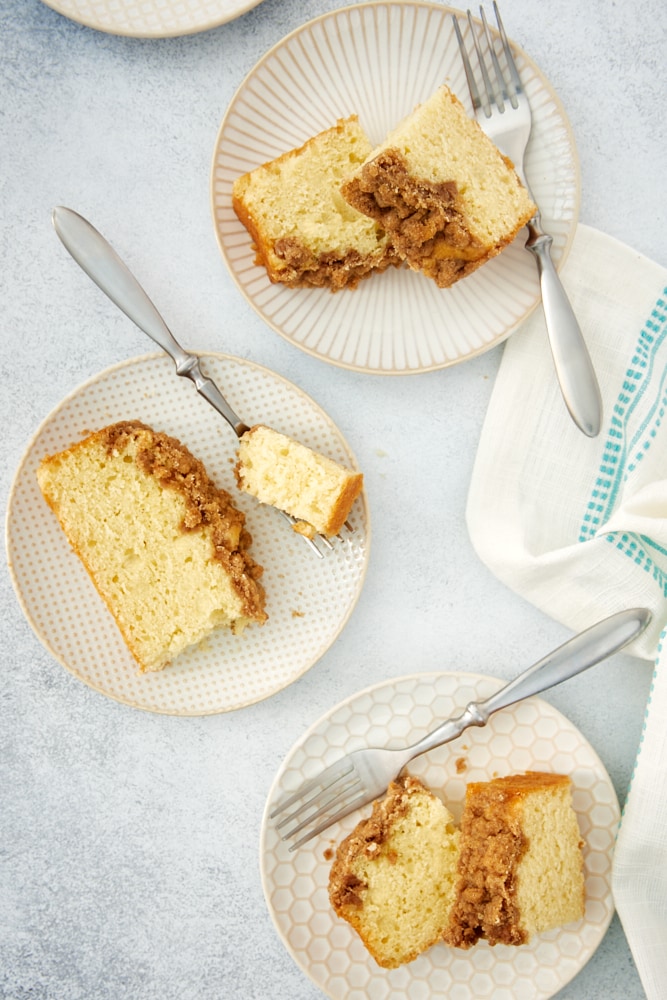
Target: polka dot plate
x=528 y=736
x=152 y=18
x=309 y=600
x=378 y=60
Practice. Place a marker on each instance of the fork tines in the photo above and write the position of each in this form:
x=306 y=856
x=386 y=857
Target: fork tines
x=507 y=49
x=318 y=802
x=317 y=541
x=503 y=92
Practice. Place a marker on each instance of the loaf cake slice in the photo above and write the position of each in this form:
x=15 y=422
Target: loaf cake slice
x=280 y=471
x=446 y=196
x=304 y=232
x=164 y=546
x=393 y=877
x=520 y=870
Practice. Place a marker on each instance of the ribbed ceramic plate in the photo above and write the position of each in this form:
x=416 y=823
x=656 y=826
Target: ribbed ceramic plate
x=152 y=18
x=529 y=736
x=308 y=599
x=379 y=60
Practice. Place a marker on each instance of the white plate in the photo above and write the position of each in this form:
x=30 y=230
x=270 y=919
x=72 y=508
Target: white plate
x=152 y=18
x=308 y=599
x=530 y=735
x=379 y=60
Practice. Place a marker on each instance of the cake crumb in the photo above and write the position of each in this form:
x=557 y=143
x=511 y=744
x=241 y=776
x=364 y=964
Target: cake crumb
x=410 y=830
x=292 y=209
x=440 y=188
x=317 y=492
x=128 y=497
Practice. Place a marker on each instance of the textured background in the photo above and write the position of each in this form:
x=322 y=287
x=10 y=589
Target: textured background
x=128 y=841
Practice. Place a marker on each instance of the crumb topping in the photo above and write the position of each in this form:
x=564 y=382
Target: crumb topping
x=422 y=218
x=336 y=270
x=492 y=847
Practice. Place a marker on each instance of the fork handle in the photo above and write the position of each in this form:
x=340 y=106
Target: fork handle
x=576 y=655
x=95 y=255
x=572 y=361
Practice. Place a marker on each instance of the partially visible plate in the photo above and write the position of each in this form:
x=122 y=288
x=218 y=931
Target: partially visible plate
x=529 y=736
x=309 y=600
x=152 y=18
x=379 y=60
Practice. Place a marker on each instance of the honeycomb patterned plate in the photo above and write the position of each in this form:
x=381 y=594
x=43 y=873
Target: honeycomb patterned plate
x=152 y=18
x=530 y=735
x=309 y=600
x=378 y=60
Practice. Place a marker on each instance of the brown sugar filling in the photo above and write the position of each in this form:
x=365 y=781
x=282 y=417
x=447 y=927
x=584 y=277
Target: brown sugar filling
x=331 y=269
x=493 y=845
x=206 y=505
x=421 y=217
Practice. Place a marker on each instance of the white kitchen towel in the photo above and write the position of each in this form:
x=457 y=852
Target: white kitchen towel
x=578 y=526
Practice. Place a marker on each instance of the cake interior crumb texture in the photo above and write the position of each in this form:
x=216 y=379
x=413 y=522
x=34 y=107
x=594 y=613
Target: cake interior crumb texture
x=304 y=231
x=393 y=878
x=521 y=863
x=284 y=473
x=165 y=548
x=444 y=193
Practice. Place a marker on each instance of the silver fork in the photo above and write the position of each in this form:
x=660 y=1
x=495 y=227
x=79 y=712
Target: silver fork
x=363 y=775
x=100 y=261
x=503 y=111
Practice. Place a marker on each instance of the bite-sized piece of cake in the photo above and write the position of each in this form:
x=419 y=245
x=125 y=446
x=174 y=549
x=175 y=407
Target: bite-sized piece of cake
x=284 y=473
x=304 y=231
x=393 y=877
x=446 y=196
x=164 y=546
x=520 y=869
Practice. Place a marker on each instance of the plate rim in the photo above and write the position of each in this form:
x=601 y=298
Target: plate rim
x=10 y=506
x=418 y=677
x=445 y=9
x=208 y=25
